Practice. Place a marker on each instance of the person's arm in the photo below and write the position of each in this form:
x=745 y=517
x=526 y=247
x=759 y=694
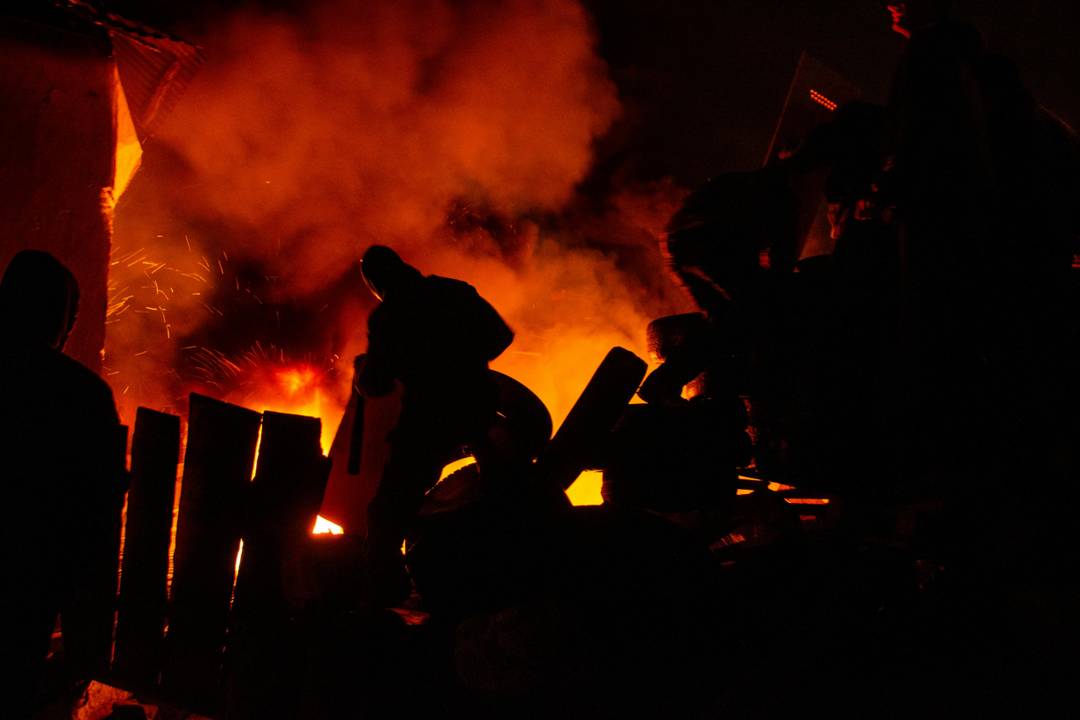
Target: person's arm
x=375 y=374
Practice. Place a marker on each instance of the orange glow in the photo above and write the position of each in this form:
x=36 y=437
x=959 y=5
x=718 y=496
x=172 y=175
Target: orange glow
x=744 y=491
x=412 y=618
x=455 y=466
x=732 y=538
x=822 y=100
x=128 y=149
x=586 y=489
x=296 y=388
x=807 y=501
x=387 y=124
x=295 y=379
x=236 y=565
x=780 y=487
x=325 y=527
x=495 y=107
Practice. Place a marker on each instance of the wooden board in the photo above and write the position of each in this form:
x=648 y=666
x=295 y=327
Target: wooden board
x=217 y=475
x=140 y=628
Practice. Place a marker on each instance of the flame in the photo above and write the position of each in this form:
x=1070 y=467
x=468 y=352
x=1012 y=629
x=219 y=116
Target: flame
x=265 y=380
x=325 y=527
x=494 y=108
x=293 y=380
x=300 y=389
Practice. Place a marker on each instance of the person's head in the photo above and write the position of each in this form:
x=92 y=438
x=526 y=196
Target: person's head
x=385 y=272
x=39 y=300
x=910 y=15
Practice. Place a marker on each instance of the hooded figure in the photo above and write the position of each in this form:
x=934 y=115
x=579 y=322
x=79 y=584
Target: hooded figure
x=61 y=460
x=435 y=337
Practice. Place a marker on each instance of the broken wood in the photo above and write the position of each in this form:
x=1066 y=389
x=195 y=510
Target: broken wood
x=266 y=654
x=140 y=628
x=217 y=474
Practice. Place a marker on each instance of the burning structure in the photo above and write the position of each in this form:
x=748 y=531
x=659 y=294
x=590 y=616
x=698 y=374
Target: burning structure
x=463 y=133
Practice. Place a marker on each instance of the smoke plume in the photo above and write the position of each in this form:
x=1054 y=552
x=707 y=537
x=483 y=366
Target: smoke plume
x=456 y=132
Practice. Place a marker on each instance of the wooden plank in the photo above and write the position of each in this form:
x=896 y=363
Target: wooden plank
x=286 y=494
x=140 y=628
x=217 y=475
x=266 y=657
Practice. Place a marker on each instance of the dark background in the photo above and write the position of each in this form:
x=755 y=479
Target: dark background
x=702 y=81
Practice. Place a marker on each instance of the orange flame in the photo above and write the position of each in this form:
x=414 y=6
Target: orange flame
x=325 y=527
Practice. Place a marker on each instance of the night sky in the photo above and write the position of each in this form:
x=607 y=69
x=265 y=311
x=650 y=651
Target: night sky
x=702 y=82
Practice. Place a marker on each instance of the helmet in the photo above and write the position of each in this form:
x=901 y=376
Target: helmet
x=384 y=271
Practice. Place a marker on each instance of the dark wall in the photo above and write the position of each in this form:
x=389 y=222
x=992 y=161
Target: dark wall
x=57 y=145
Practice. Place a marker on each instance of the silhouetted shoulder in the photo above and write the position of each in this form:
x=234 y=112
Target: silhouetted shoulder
x=470 y=316
x=450 y=285
x=38 y=381
x=91 y=387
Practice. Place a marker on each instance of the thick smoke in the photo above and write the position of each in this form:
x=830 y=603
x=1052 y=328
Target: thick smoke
x=362 y=122
x=455 y=132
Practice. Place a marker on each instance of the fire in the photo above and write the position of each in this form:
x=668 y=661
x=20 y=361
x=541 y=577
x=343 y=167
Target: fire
x=325 y=527
x=296 y=379
x=300 y=389
x=243 y=233
x=264 y=379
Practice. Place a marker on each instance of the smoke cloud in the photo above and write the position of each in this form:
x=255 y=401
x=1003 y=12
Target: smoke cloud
x=456 y=132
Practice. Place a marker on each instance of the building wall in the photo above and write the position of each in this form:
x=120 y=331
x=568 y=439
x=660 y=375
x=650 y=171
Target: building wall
x=57 y=164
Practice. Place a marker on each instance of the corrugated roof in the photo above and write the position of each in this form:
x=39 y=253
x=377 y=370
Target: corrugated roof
x=155 y=71
x=155 y=67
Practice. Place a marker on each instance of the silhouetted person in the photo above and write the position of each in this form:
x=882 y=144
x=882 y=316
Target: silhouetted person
x=435 y=336
x=985 y=183
x=61 y=464
x=843 y=312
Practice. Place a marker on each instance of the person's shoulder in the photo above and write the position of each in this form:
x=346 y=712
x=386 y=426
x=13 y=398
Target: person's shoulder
x=440 y=281
x=449 y=286
x=83 y=380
